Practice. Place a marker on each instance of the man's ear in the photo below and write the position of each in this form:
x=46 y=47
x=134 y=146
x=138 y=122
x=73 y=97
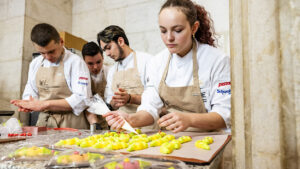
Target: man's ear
x=121 y=41
x=61 y=41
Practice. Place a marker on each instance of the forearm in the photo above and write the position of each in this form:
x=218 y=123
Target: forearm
x=140 y=119
x=206 y=121
x=57 y=105
x=135 y=99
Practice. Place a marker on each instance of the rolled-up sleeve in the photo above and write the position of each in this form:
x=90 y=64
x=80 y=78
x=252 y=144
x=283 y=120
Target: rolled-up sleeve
x=221 y=90
x=80 y=84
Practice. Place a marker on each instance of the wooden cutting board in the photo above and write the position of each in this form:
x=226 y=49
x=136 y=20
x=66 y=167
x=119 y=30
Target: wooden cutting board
x=6 y=140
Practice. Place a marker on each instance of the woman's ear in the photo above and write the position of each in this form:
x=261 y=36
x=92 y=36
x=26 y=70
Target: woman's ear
x=121 y=41
x=195 y=27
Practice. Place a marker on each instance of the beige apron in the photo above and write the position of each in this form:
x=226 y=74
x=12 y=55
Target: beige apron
x=52 y=85
x=183 y=99
x=99 y=88
x=130 y=81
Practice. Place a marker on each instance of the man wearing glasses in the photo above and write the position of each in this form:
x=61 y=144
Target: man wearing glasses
x=58 y=82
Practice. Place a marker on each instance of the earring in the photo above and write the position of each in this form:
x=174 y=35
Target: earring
x=194 y=39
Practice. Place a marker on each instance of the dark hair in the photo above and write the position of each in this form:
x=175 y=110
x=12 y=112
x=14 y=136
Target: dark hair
x=43 y=33
x=91 y=49
x=205 y=33
x=112 y=33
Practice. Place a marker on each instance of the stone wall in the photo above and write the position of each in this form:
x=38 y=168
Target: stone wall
x=17 y=19
x=11 y=47
x=56 y=13
x=265 y=61
x=289 y=17
x=139 y=19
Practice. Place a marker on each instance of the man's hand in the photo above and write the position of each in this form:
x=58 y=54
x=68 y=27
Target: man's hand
x=175 y=121
x=92 y=118
x=120 y=98
x=115 y=119
x=20 y=109
x=29 y=105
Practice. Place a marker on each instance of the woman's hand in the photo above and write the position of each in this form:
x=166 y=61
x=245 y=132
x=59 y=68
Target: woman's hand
x=116 y=119
x=175 y=121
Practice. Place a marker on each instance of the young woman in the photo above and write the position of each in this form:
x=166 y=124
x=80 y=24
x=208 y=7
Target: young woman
x=190 y=79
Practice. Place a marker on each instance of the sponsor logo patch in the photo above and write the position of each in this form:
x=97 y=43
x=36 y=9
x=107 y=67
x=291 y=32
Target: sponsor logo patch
x=224 y=91
x=224 y=84
x=83 y=81
x=83 y=78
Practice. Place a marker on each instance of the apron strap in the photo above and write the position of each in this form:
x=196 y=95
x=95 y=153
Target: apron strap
x=195 y=66
x=162 y=81
x=135 y=62
x=195 y=71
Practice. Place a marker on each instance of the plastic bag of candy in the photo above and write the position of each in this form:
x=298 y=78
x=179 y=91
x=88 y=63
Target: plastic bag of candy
x=135 y=162
x=30 y=153
x=75 y=158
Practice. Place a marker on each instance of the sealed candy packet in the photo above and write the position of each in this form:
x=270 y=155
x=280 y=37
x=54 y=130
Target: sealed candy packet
x=74 y=158
x=135 y=162
x=33 y=153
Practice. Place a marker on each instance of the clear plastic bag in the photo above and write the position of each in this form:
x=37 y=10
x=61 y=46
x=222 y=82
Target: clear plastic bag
x=30 y=153
x=136 y=162
x=12 y=125
x=75 y=158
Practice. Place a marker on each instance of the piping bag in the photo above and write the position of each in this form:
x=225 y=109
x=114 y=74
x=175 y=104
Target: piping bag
x=98 y=106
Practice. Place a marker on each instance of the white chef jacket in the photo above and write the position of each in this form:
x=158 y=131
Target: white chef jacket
x=77 y=77
x=142 y=60
x=101 y=75
x=214 y=80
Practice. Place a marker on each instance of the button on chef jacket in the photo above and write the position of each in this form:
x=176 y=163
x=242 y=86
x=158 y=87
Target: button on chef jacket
x=127 y=63
x=77 y=77
x=214 y=79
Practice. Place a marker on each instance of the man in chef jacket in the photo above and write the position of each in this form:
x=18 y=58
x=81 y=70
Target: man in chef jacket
x=126 y=79
x=93 y=57
x=58 y=83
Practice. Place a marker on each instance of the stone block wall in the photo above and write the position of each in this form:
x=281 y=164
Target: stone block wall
x=139 y=19
x=264 y=39
x=56 y=13
x=17 y=17
x=11 y=46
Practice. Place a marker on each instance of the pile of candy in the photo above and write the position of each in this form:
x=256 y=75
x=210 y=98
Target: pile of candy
x=168 y=147
x=204 y=143
x=131 y=141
